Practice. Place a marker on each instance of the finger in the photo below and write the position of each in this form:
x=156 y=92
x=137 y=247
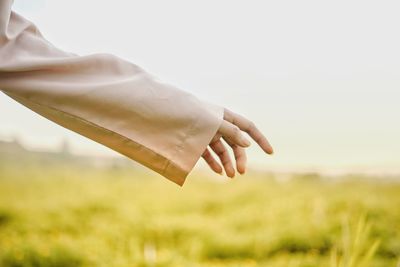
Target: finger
x=240 y=157
x=214 y=165
x=233 y=134
x=250 y=128
x=216 y=137
x=219 y=149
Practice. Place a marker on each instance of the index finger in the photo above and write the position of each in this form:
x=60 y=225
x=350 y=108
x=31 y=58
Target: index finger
x=250 y=128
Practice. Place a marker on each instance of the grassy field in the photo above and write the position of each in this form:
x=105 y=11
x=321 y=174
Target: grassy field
x=74 y=216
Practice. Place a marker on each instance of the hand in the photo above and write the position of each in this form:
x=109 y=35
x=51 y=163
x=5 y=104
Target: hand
x=231 y=131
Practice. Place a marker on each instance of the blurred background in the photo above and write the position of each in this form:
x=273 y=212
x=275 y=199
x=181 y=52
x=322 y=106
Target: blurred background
x=319 y=78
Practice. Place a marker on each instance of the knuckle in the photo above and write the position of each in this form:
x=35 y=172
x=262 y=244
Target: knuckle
x=252 y=125
x=236 y=131
x=251 y=128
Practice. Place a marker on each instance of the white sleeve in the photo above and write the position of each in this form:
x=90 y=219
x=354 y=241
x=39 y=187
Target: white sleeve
x=106 y=99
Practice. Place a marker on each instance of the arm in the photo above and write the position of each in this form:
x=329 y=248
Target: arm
x=106 y=99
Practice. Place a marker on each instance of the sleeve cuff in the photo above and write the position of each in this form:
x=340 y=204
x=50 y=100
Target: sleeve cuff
x=195 y=142
x=175 y=167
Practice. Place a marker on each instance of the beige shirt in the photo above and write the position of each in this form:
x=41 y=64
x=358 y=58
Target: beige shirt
x=106 y=99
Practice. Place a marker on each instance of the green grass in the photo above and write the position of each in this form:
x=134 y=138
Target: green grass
x=70 y=216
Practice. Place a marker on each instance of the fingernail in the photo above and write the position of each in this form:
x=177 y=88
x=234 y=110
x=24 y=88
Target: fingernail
x=245 y=142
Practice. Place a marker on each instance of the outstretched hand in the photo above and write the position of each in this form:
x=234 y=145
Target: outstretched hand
x=231 y=131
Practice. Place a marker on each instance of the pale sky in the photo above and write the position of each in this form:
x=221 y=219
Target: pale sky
x=320 y=78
